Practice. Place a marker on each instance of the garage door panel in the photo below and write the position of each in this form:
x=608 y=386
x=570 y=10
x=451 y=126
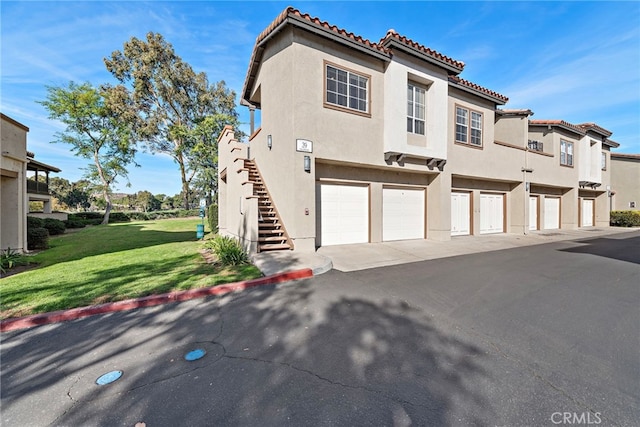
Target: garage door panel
x=533 y=213
x=551 y=213
x=344 y=214
x=491 y=213
x=402 y=214
x=460 y=214
x=587 y=212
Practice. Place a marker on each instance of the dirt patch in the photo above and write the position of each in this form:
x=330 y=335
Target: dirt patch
x=18 y=269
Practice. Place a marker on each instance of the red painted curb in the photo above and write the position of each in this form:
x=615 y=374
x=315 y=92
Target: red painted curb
x=130 y=304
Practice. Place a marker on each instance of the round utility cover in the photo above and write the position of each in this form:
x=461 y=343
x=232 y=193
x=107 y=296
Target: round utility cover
x=109 y=377
x=195 y=354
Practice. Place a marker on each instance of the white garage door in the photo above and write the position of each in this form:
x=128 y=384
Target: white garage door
x=533 y=213
x=491 y=213
x=344 y=214
x=402 y=214
x=460 y=215
x=587 y=212
x=551 y=213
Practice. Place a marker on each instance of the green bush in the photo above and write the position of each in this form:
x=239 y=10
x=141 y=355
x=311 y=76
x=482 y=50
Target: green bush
x=118 y=217
x=35 y=222
x=55 y=226
x=624 y=219
x=87 y=215
x=228 y=250
x=10 y=259
x=37 y=238
x=74 y=223
x=212 y=218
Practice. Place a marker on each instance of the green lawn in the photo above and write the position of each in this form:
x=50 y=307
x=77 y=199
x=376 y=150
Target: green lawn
x=114 y=262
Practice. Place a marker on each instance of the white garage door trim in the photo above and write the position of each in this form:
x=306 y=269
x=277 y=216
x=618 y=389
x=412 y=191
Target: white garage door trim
x=533 y=212
x=587 y=212
x=344 y=214
x=491 y=213
x=460 y=214
x=402 y=213
x=551 y=213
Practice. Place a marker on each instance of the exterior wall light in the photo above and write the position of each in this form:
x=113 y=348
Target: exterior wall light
x=307 y=164
x=269 y=142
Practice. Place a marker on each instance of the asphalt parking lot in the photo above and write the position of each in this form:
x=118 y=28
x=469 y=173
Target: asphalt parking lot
x=521 y=337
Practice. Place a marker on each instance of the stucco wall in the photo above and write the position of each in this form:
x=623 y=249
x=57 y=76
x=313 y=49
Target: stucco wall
x=625 y=181
x=13 y=198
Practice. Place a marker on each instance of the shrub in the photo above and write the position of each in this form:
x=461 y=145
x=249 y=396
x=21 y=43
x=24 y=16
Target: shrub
x=74 y=223
x=118 y=217
x=35 y=222
x=624 y=219
x=228 y=250
x=55 y=226
x=212 y=218
x=10 y=259
x=37 y=238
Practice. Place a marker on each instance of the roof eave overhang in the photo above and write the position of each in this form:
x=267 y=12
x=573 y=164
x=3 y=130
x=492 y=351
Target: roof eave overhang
x=392 y=43
x=611 y=143
x=41 y=166
x=300 y=22
x=559 y=126
x=495 y=99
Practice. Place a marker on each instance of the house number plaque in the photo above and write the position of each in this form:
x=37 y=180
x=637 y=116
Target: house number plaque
x=304 y=145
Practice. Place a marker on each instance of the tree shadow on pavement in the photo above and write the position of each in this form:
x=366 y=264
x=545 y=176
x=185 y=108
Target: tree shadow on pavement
x=625 y=249
x=277 y=355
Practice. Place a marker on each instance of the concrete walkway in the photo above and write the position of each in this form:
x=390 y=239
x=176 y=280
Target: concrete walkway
x=370 y=255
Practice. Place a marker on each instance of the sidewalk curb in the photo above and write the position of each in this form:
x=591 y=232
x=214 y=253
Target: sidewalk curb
x=149 y=301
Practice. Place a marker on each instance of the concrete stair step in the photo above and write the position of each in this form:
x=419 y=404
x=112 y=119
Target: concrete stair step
x=274 y=247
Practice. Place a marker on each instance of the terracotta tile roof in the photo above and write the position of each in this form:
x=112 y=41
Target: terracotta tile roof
x=295 y=13
x=560 y=123
x=594 y=127
x=393 y=35
x=500 y=99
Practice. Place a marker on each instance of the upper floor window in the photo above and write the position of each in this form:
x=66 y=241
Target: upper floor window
x=566 y=153
x=468 y=127
x=347 y=89
x=416 y=98
x=603 y=161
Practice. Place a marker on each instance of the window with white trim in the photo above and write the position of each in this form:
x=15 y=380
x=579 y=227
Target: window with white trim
x=416 y=109
x=566 y=153
x=346 y=89
x=468 y=131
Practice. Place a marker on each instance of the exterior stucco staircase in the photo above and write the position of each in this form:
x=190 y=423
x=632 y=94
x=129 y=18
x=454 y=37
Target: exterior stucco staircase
x=272 y=236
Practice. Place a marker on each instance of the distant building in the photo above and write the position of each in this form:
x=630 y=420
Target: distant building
x=625 y=181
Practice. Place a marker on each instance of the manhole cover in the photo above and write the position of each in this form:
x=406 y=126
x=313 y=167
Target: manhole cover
x=195 y=354
x=109 y=377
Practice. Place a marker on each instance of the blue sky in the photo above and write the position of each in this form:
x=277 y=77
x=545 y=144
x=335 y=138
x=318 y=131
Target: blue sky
x=576 y=61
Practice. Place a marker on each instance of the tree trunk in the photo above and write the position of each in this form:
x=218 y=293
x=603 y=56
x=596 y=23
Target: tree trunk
x=107 y=210
x=185 y=183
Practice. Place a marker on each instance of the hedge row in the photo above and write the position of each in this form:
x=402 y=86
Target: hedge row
x=624 y=219
x=95 y=218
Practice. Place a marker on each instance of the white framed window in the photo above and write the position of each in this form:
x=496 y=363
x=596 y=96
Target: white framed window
x=476 y=128
x=468 y=127
x=603 y=161
x=566 y=153
x=346 y=89
x=462 y=125
x=416 y=109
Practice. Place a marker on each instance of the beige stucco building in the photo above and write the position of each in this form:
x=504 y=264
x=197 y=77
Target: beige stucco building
x=625 y=181
x=13 y=191
x=16 y=191
x=364 y=141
